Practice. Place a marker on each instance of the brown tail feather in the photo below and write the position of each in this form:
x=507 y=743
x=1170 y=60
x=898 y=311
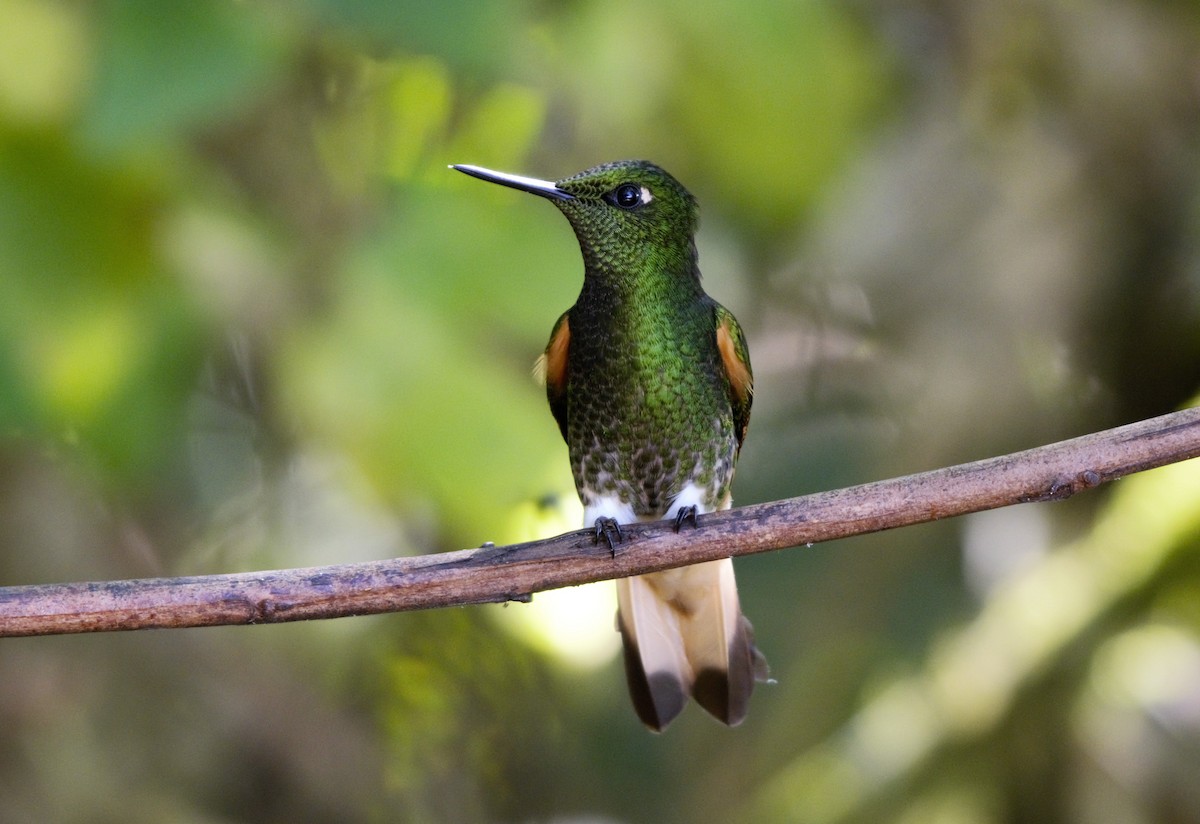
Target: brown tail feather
x=684 y=635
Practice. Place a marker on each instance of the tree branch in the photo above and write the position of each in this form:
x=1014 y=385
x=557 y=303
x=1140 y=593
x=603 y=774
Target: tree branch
x=513 y=573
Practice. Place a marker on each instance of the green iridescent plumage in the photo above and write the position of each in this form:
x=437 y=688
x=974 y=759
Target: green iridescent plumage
x=649 y=380
x=650 y=404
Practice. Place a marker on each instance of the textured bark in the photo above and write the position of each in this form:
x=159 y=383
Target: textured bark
x=513 y=573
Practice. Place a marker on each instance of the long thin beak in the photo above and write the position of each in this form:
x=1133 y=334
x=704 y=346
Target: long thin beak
x=545 y=188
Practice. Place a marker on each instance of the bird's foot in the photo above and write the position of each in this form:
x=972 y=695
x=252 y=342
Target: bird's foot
x=606 y=528
x=686 y=513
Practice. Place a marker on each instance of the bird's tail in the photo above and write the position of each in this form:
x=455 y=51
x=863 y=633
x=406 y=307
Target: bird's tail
x=685 y=635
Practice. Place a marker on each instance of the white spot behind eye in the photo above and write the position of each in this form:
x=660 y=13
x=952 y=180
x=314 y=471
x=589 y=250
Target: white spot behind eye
x=646 y=196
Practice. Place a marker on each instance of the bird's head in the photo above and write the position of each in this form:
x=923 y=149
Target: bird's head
x=625 y=214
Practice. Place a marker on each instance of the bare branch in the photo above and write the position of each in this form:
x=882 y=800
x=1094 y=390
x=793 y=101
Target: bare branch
x=493 y=574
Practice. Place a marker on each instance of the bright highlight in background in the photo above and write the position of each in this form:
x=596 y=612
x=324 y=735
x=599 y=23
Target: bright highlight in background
x=577 y=624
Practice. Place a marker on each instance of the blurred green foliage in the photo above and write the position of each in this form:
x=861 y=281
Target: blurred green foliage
x=248 y=318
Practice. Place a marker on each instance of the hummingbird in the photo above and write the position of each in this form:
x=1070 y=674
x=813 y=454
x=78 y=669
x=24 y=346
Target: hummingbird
x=649 y=381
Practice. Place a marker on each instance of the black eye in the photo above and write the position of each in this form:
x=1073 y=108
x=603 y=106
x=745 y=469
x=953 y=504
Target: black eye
x=627 y=196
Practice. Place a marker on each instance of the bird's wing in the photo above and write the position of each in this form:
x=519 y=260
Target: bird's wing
x=735 y=357
x=551 y=370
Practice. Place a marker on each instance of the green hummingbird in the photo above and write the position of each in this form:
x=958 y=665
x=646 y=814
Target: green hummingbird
x=649 y=380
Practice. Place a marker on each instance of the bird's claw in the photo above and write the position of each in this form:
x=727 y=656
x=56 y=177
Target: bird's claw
x=686 y=513
x=606 y=528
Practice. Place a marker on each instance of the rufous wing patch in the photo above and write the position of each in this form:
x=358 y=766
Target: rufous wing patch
x=738 y=370
x=550 y=369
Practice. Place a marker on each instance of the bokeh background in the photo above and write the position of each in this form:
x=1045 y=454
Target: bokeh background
x=248 y=319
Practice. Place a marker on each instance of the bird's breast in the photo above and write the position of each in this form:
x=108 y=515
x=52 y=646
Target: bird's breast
x=647 y=414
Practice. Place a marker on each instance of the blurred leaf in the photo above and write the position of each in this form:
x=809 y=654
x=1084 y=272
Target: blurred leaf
x=99 y=341
x=164 y=68
x=771 y=146
x=501 y=128
x=393 y=117
x=472 y=36
x=417 y=374
x=384 y=117
x=419 y=102
x=43 y=50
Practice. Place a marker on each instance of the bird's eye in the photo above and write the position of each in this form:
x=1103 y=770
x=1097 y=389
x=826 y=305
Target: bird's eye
x=629 y=196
